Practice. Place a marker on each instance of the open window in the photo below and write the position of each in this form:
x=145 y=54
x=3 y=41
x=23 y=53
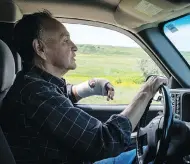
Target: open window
x=111 y=55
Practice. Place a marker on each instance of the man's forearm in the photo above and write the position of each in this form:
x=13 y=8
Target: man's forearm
x=136 y=108
x=77 y=97
x=91 y=87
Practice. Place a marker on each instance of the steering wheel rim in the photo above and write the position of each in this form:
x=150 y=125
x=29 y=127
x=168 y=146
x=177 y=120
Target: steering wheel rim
x=161 y=148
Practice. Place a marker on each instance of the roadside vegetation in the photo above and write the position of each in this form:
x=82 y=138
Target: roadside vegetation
x=126 y=68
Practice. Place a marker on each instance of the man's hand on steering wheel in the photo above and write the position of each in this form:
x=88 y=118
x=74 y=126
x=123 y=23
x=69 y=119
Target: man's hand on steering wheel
x=158 y=133
x=152 y=84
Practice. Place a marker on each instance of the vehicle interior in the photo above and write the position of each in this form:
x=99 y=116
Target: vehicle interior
x=141 y=20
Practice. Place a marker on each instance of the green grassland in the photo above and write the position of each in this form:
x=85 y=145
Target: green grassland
x=186 y=55
x=125 y=68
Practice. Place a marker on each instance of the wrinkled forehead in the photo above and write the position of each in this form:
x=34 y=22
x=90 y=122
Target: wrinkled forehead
x=54 y=29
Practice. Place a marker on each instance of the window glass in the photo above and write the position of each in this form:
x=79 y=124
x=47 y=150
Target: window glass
x=108 y=54
x=178 y=32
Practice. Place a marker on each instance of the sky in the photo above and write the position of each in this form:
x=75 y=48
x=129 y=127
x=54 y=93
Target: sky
x=84 y=34
x=180 y=37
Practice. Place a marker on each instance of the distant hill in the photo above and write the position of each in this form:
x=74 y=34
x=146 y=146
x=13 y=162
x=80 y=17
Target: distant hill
x=186 y=55
x=109 y=50
x=112 y=50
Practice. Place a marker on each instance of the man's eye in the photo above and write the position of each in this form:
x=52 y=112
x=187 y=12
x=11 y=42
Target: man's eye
x=66 y=40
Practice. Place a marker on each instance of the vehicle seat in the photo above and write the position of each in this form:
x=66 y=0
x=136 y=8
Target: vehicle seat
x=7 y=75
x=6 y=34
x=9 y=15
x=7 y=70
x=6 y=156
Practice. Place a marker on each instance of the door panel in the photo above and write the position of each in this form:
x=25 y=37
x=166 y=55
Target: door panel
x=103 y=112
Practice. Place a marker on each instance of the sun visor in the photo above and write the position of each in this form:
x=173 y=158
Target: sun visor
x=9 y=12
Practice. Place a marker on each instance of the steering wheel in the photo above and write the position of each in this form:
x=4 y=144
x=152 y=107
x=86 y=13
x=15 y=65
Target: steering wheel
x=157 y=133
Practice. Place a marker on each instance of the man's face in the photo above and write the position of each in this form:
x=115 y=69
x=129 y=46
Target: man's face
x=59 y=49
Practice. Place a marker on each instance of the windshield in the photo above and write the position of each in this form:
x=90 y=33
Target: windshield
x=178 y=32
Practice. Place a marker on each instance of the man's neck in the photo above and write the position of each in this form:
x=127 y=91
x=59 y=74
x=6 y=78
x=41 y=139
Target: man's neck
x=55 y=71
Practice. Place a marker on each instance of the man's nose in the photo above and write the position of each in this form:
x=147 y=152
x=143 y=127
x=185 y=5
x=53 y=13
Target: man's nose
x=74 y=47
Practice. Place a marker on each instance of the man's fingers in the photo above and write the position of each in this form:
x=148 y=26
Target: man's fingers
x=110 y=87
x=158 y=79
x=153 y=83
x=161 y=81
x=110 y=95
x=110 y=91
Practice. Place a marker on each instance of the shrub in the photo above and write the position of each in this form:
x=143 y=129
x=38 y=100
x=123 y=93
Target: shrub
x=148 y=68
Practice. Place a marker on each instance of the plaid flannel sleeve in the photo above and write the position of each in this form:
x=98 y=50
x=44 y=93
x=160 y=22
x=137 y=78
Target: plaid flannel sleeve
x=52 y=113
x=70 y=93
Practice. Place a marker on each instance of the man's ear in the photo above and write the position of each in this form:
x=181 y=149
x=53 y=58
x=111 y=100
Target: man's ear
x=39 y=48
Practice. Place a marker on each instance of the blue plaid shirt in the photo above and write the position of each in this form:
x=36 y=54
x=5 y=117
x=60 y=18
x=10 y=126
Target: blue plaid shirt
x=42 y=125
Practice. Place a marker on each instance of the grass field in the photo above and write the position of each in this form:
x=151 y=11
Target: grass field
x=123 y=67
x=115 y=69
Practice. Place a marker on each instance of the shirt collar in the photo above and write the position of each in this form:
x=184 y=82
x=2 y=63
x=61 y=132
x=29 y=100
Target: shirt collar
x=32 y=69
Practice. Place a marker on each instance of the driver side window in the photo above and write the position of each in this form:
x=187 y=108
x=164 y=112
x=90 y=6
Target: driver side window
x=108 y=54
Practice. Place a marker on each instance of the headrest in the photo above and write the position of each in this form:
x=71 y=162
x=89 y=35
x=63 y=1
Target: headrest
x=9 y=11
x=7 y=67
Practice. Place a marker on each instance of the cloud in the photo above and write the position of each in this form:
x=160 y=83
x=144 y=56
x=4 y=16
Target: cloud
x=84 y=34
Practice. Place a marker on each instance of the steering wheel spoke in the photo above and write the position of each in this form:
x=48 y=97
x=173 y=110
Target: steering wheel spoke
x=158 y=130
x=147 y=155
x=143 y=131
